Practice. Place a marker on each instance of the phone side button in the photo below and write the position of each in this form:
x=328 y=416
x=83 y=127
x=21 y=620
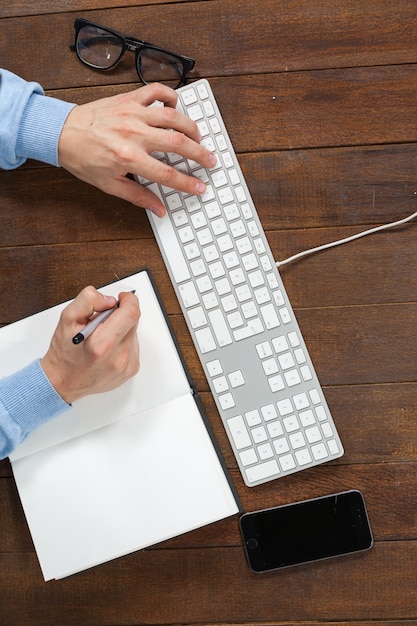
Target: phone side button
x=264 y=470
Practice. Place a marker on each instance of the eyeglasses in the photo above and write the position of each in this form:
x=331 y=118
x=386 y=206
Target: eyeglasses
x=102 y=48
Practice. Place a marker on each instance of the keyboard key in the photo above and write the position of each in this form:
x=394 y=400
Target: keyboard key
x=292 y=378
x=264 y=349
x=301 y=401
x=227 y=401
x=195 y=112
x=259 y=434
x=205 y=340
x=306 y=372
x=235 y=319
x=321 y=413
x=248 y=457
x=265 y=451
x=270 y=366
x=313 y=434
x=303 y=456
x=287 y=462
x=297 y=440
x=202 y=91
x=276 y=383
x=315 y=396
x=291 y=423
x=253 y=418
x=269 y=412
x=220 y=384
x=236 y=379
x=239 y=432
x=210 y=300
x=281 y=445
x=220 y=328
x=189 y=96
x=189 y=294
x=319 y=451
x=284 y=407
x=307 y=418
x=286 y=360
x=333 y=447
x=327 y=430
x=275 y=429
x=214 y=367
x=264 y=470
x=197 y=317
x=269 y=316
x=280 y=344
x=285 y=315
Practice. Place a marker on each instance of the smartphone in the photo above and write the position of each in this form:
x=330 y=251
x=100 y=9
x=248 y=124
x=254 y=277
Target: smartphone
x=306 y=531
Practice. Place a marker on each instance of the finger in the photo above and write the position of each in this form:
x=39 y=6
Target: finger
x=155 y=91
x=133 y=192
x=179 y=142
x=88 y=302
x=168 y=118
x=160 y=172
x=123 y=321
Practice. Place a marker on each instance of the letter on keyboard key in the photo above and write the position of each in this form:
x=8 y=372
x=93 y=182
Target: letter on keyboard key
x=239 y=432
x=264 y=470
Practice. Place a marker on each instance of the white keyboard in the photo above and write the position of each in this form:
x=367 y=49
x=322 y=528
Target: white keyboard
x=238 y=313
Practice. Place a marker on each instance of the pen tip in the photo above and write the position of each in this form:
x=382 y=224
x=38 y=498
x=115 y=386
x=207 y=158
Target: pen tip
x=79 y=337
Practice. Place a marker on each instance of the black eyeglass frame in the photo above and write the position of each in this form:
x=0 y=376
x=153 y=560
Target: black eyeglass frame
x=134 y=45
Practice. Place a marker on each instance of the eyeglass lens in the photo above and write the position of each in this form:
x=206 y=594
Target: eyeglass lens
x=158 y=66
x=102 y=49
x=98 y=47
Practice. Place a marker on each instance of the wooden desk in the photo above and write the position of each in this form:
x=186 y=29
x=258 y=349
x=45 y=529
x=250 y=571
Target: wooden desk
x=320 y=101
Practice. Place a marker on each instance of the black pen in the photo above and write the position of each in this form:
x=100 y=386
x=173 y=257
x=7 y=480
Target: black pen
x=91 y=326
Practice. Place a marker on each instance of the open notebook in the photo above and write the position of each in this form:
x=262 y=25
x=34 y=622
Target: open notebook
x=121 y=470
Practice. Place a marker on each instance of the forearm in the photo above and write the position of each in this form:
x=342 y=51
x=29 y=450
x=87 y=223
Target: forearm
x=30 y=122
x=27 y=400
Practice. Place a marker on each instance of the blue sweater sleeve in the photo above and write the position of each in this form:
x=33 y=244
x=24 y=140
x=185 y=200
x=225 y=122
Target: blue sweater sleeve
x=30 y=122
x=27 y=400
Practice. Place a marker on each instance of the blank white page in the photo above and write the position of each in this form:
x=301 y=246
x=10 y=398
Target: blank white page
x=129 y=485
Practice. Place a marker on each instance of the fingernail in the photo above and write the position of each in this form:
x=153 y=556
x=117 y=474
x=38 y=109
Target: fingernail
x=200 y=187
x=212 y=160
x=157 y=212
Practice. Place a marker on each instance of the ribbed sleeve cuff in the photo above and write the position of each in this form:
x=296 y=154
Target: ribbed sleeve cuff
x=30 y=399
x=40 y=128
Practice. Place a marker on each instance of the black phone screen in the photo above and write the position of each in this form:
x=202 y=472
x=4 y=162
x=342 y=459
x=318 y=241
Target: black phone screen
x=306 y=531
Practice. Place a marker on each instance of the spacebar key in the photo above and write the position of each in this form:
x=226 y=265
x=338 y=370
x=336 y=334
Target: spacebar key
x=170 y=247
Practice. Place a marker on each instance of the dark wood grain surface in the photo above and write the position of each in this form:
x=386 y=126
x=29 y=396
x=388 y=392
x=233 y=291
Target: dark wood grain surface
x=319 y=97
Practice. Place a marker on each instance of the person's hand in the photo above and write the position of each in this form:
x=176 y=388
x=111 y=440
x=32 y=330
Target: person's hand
x=103 y=141
x=106 y=359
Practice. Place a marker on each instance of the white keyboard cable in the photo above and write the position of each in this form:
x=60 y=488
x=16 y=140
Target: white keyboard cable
x=346 y=239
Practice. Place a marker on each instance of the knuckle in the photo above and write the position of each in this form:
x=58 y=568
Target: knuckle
x=123 y=153
x=168 y=176
x=169 y=114
x=177 y=139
